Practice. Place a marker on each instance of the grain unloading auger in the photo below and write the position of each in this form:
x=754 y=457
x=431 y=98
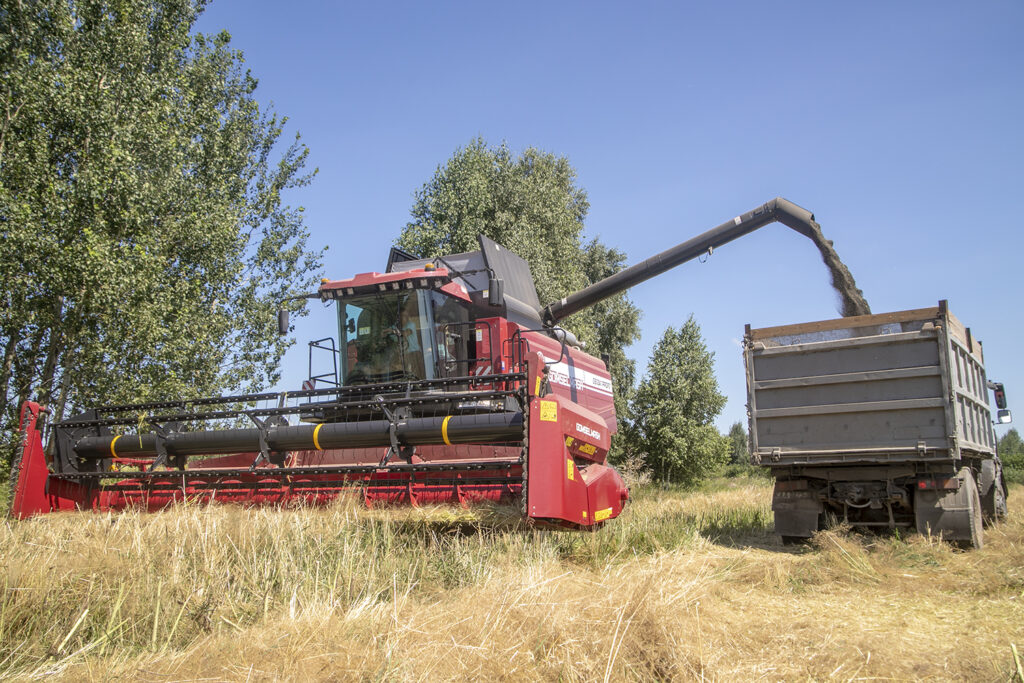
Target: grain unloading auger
x=451 y=384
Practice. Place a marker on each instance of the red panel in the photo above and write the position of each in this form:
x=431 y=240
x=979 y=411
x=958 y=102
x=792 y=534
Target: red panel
x=364 y=279
x=456 y=290
x=34 y=493
x=606 y=492
x=558 y=491
x=577 y=376
x=30 y=491
x=370 y=282
x=379 y=488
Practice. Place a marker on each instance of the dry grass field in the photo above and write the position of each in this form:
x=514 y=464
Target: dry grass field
x=683 y=586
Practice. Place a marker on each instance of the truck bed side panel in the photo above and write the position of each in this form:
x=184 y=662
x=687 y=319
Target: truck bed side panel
x=890 y=389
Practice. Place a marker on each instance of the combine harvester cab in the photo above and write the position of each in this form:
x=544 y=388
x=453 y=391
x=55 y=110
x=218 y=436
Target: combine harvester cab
x=443 y=391
x=449 y=384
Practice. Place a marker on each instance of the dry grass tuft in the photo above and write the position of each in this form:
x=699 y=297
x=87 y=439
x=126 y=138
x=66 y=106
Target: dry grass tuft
x=683 y=586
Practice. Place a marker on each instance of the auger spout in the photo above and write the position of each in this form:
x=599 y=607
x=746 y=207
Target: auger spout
x=777 y=210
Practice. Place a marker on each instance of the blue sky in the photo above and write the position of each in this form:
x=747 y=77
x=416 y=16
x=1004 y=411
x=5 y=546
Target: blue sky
x=897 y=124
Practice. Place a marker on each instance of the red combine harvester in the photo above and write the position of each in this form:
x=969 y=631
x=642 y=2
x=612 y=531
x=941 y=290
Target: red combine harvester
x=451 y=384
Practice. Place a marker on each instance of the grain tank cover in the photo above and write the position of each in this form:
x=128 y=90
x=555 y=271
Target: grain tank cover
x=472 y=269
x=511 y=268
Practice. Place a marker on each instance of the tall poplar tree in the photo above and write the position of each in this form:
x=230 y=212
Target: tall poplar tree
x=739 y=449
x=675 y=406
x=144 y=237
x=531 y=204
x=1011 y=451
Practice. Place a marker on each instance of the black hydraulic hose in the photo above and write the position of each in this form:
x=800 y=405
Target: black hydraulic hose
x=778 y=209
x=417 y=431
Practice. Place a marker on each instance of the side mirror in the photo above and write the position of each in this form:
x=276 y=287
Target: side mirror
x=495 y=291
x=1000 y=394
x=282 y=321
x=1004 y=417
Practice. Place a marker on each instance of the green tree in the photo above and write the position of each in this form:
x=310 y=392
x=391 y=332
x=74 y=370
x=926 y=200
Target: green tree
x=1011 y=450
x=144 y=239
x=531 y=204
x=738 y=447
x=674 y=406
x=528 y=203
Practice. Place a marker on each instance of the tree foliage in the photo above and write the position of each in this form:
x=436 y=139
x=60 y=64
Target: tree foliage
x=1011 y=450
x=674 y=407
x=738 y=445
x=531 y=204
x=145 y=241
x=528 y=203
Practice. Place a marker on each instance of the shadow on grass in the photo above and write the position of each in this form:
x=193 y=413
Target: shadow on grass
x=455 y=528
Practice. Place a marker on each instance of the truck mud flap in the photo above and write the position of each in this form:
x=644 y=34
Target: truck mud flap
x=992 y=488
x=796 y=512
x=953 y=515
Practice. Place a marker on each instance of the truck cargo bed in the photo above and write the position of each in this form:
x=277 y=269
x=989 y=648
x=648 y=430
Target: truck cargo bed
x=891 y=387
x=875 y=421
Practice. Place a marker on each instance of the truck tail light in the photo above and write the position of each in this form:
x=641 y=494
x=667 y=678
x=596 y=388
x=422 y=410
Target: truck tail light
x=943 y=484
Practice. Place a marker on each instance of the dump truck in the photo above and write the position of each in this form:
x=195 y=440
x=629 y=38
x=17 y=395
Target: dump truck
x=448 y=382
x=876 y=421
